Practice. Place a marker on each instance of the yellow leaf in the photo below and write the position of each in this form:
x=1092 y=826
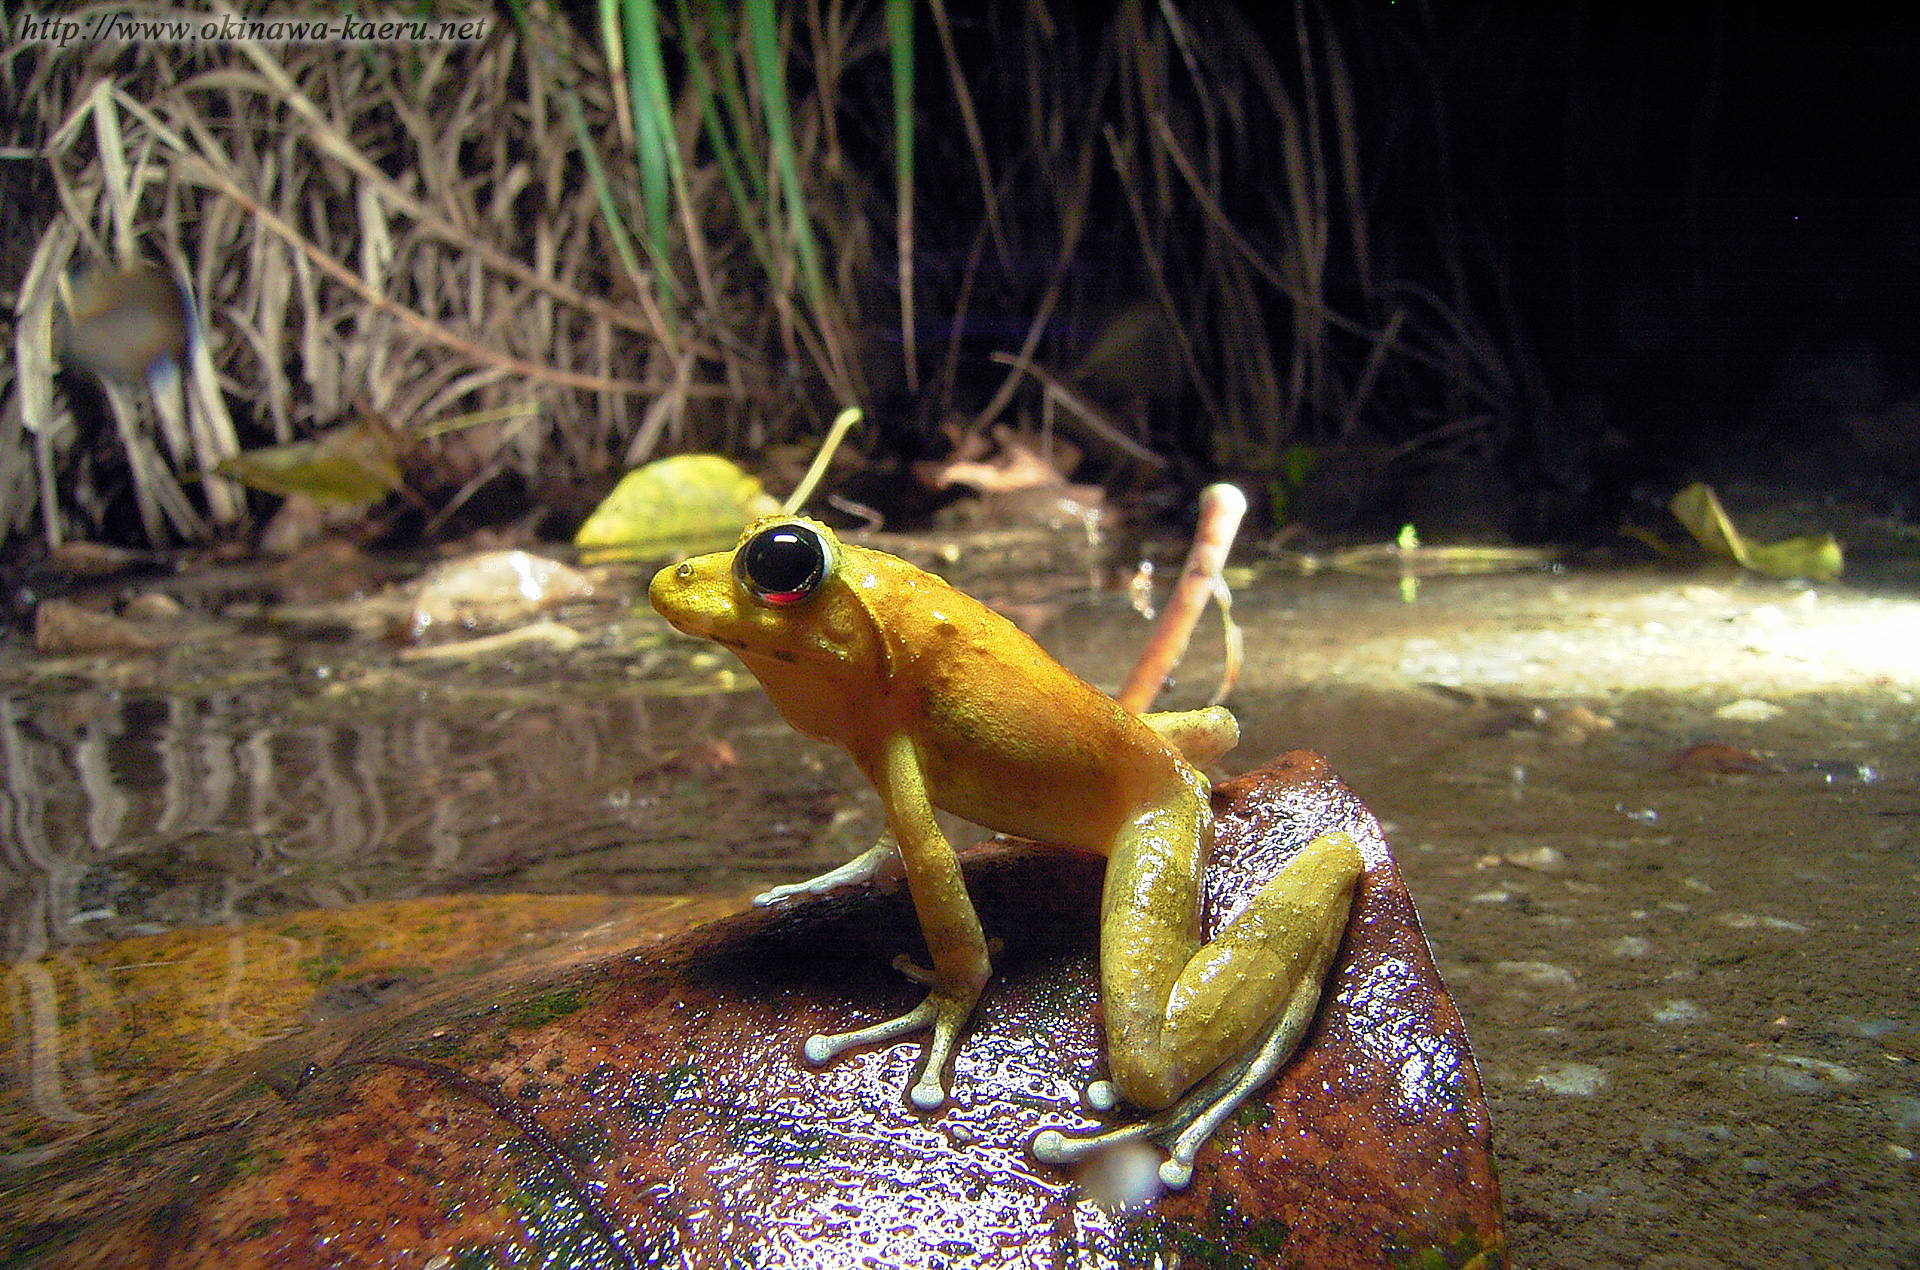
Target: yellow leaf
x=1698 y=508
x=675 y=506
x=354 y=463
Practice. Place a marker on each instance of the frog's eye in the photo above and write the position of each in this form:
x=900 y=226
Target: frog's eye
x=783 y=565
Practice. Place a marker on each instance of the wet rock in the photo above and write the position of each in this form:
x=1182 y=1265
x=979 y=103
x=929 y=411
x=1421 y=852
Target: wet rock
x=62 y=628
x=1716 y=758
x=493 y=589
x=653 y=1109
x=94 y=559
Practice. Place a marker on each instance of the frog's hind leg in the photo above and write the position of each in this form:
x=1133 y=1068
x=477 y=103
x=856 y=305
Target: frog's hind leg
x=1225 y=1015
x=1187 y=1125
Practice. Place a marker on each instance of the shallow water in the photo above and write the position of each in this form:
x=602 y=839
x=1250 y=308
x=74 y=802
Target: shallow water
x=1689 y=988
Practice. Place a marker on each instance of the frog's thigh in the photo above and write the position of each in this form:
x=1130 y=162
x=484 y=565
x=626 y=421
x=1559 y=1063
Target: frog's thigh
x=1201 y=736
x=1226 y=994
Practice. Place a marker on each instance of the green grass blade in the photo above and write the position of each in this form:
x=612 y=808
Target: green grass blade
x=714 y=75
x=770 y=65
x=900 y=45
x=653 y=132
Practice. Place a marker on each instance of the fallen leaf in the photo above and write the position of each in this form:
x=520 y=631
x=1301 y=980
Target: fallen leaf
x=355 y=462
x=675 y=506
x=1698 y=508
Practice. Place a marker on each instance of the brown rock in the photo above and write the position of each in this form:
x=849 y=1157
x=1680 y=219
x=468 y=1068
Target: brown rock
x=654 y=1109
x=62 y=628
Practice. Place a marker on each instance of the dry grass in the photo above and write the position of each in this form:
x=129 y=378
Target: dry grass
x=1180 y=207
x=1176 y=207
x=404 y=228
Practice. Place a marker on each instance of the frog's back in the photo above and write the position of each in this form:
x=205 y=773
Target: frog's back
x=1009 y=738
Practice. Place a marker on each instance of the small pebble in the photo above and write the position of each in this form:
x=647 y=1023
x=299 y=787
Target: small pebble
x=1902 y=1109
x=1677 y=1010
x=1630 y=946
x=1542 y=974
x=1747 y=921
x=1808 y=1075
x=1539 y=859
x=1716 y=758
x=154 y=606
x=1749 y=710
x=1871 y=1029
x=1571 y=1080
x=1695 y=1144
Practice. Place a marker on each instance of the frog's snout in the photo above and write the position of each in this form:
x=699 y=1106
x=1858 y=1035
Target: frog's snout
x=661 y=591
x=684 y=594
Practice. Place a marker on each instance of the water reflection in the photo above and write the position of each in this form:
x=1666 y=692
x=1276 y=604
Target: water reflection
x=130 y=815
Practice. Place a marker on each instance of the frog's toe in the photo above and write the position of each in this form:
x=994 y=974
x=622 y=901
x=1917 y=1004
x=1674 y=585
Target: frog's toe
x=1052 y=1146
x=919 y=974
x=823 y=1048
x=879 y=865
x=944 y=1015
x=928 y=1093
x=1049 y=1146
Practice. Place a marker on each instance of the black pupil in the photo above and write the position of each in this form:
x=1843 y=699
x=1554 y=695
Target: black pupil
x=786 y=561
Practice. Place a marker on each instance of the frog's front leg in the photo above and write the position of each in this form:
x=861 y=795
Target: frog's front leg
x=1227 y=1013
x=879 y=864
x=947 y=921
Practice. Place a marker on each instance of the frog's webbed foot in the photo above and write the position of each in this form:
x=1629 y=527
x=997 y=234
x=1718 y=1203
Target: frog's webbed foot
x=942 y=1011
x=879 y=864
x=1278 y=949
x=1185 y=1127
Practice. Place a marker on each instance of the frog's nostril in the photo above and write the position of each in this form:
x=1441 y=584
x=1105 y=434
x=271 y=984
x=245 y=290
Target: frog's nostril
x=685 y=570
